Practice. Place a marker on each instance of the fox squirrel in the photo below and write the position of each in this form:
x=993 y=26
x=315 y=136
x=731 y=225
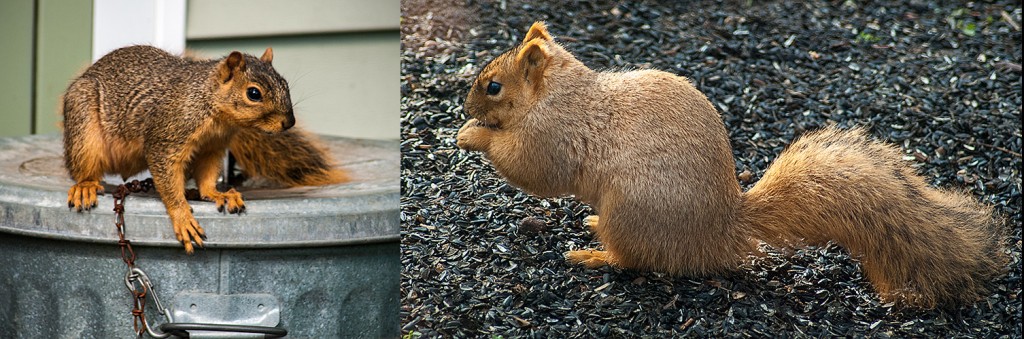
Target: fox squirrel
x=140 y=107
x=651 y=154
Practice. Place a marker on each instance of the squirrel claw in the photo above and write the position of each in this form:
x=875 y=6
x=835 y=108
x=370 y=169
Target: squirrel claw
x=188 y=231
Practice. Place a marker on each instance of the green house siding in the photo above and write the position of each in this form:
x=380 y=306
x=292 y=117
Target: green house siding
x=57 y=35
x=336 y=80
x=63 y=49
x=17 y=21
x=340 y=57
x=260 y=18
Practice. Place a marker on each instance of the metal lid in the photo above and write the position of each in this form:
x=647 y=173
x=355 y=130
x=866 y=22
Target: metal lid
x=34 y=184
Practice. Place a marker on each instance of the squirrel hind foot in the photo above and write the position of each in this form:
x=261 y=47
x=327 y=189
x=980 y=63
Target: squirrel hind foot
x=592 y=222
x=909 y=298
x=82 y=196
x=227 y=202
x=590 y=258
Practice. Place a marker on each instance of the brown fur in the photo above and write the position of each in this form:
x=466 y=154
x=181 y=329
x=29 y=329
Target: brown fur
x=139 y=107
x=651 y=154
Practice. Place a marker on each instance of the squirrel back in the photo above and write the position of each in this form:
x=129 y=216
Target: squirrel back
x=144 y=88
x=650 y=153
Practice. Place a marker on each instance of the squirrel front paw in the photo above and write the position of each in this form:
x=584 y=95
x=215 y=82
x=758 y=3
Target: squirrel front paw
x=187 y=230
x=82 y=196
x=230 y=201
x=473 y=136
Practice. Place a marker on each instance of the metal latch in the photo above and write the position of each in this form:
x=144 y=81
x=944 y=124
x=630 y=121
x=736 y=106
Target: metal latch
x=207 y=315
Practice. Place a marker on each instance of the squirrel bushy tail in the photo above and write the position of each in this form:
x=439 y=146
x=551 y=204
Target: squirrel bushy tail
x=290 y=158
x=918 y=245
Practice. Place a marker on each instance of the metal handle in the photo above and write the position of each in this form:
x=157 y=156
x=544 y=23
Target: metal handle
x=181 y=329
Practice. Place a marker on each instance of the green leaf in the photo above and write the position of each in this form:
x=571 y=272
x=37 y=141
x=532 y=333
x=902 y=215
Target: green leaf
x=969 y=29
x=865 y=37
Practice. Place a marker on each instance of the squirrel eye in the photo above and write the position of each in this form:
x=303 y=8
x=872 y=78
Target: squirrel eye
x=493 y=88
x=254 y=94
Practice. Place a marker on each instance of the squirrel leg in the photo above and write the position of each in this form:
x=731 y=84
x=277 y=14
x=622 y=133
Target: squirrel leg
x=611 y=255
x=591 y=258
x=83 y=144
x=169 y=179
x=207 y=169
x=474 y=137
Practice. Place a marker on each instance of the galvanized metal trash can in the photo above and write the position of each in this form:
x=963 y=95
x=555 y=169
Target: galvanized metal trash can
x=323 y=260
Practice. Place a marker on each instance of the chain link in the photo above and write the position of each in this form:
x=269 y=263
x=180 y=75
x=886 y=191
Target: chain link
x=128 y=253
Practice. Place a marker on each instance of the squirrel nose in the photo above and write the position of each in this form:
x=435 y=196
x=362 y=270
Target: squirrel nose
x=289 y=122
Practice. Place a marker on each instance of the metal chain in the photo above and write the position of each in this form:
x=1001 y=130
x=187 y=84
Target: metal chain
x=128 y=253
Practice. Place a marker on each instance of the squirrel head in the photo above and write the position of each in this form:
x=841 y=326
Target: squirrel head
x=512 y=83
x=251 y=93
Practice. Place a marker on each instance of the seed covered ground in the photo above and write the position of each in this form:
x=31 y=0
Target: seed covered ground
x=483 y=259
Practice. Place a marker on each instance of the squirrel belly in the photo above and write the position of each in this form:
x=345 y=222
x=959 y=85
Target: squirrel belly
x=651 y=154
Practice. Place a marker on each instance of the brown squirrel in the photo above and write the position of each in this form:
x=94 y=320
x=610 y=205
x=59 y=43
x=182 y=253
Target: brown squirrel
x=650 y=153
x=140 y=108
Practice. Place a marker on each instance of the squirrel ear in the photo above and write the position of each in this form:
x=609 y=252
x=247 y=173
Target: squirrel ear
x=538 y=30
x=534 y=58
x=268 y=55
x=231 y=64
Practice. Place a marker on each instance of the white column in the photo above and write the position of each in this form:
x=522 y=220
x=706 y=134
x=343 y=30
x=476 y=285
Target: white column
x=119 y=23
